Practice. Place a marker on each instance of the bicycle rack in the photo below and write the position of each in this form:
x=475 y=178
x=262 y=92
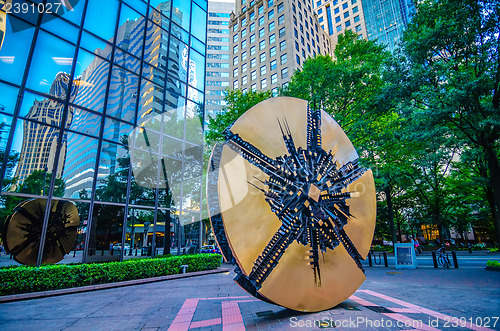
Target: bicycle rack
x=377 y=259
x=454 y=258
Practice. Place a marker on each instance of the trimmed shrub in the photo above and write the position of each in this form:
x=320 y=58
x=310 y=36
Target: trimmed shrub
x=23 y=279
x=493 y=264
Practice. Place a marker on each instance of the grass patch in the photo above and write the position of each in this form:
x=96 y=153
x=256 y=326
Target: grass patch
x=24 y=279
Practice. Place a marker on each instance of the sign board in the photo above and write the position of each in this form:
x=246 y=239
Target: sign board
x=404 y=255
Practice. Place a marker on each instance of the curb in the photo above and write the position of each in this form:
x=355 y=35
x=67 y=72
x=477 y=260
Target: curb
x=51 y=293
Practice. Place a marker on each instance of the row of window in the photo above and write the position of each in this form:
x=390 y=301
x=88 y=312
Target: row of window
x=263 y=82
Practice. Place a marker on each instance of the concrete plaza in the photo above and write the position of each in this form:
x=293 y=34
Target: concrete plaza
x=390 y=299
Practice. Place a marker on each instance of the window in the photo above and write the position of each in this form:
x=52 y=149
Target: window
x=272 y=51
x=281 y=19
x=269 y=3
x=318 y=3
x=337 y=19
x=235 y=49
x=243 y=22
x=244 y=80
x=243 y=68
x=252 y=16
x=339 y=28
x=252 y=39
x=253 y=63
x=261 y=20
x=283 y=59
x=321 y=19
x=262 y=32
x=348 y=24
x=274 y=78
x=235 y=38
x=320 y=11
x=262 y=57
x=254 y=75
x=358 y=28
x=235 y=27
x=263 y=83
x=280 y=7
x=262 y=44
x=244 y=91
x=296 y=33
x=353 y=2
x=297 y=59
x=244 y=56
x=270 y=14
x=304 y=54
x=243 y=33
x=235 y=72
x=235 y=61
x=282 y=45
x=261 y=9
x=356 y=19
x=293 y=8
x=235 y=84
x=271 y=26
x=272 y=38
x=284 y=73
x=282 y=32
x=344 y=6
x=263 y=70
x=252 y=27
x=355 y=10
x=254 y=87
x=346 y=14
x=272 y=66
x=252 y=50
x=336 y=10
x=297 y=46
x=244 y=44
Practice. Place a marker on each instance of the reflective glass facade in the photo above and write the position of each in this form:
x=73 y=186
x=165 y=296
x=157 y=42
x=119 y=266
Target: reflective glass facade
x=101 y=104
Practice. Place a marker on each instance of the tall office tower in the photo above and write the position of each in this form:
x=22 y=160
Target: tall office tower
x=337 y=16
x=386 y=20
x=219 y=13
x=270 y=39
x=40 y=141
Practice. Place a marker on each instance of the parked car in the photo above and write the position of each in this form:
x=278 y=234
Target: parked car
x=210 y=249
x=118 y=247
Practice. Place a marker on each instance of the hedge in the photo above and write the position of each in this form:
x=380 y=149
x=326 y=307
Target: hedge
x=25 y=279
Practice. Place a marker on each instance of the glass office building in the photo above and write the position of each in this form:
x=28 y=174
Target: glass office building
x=101 y=104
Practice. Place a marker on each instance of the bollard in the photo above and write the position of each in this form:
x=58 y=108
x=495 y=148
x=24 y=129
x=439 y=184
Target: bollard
x=184 y=267
x=455 y=260
x=74 y=253
x=370 y=259
x=156 y=252
x=130 y=252
x=385 y=260
x=102 y=252
x=434 y=259
x=470 y=248
x=112 y=251
x=136 y=252
x=10 y=258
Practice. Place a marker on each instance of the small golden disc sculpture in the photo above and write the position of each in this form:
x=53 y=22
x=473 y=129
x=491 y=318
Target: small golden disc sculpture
x=297 y=211
x=22 y=231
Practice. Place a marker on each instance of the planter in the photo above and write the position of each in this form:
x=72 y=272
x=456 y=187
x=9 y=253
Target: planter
x=493 y=268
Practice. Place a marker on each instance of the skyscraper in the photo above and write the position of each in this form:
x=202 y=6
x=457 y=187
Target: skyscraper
x=219 y=13
x=337 y=16
x=386 y=20
x=270 y=39
x=40 y=141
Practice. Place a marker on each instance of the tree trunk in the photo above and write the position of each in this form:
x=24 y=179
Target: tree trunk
x=390 y=213
x=494 y=169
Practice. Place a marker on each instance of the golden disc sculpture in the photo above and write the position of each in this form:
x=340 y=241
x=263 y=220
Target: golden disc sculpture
x=297 y=211
x=22 y=231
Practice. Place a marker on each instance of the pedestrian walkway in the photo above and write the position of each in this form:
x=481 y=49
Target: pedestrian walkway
x=390 y=299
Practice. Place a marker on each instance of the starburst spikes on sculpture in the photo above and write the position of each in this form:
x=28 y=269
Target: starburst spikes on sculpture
x=305 y=191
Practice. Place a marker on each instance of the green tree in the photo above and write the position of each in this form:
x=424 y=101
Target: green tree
x=237 y=104
x=452 y=52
